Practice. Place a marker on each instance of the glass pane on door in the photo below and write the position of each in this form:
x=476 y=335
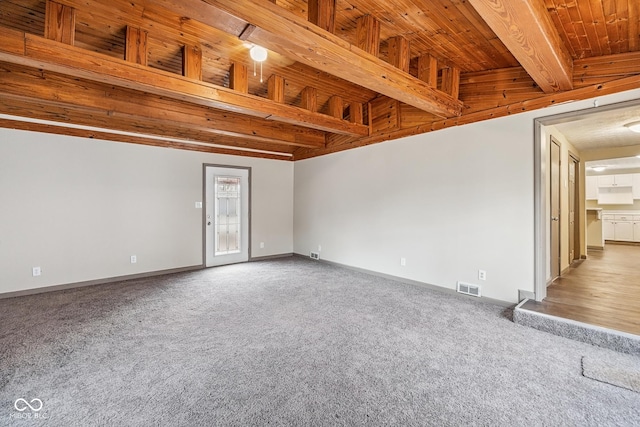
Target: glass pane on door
x=227 y=229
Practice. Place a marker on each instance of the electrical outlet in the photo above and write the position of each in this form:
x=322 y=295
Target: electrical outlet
x=36 y=271
x=403 y=262
x=319 y=248
x=482 y=275
x=261 y=245
x=198 y=205
x=134 y=259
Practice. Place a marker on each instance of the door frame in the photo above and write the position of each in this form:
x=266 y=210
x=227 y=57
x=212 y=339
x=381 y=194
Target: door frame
x=540 y=190
x=204 y=204
x=555 y=264
x=574 y=161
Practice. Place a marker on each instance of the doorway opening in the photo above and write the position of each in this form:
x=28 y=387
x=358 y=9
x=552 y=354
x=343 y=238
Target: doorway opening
x=227 y=195
x=594 y=284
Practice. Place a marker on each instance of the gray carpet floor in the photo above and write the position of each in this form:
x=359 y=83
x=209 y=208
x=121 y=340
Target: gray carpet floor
x=290 y=342
x=622 y=370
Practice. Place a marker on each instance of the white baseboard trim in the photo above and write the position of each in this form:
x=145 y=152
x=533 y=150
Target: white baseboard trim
x=63 y=287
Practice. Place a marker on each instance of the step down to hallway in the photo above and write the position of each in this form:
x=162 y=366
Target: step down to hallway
x=524 y=314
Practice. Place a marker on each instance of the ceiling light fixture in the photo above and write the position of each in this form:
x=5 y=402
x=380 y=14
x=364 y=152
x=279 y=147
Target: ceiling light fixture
x=633 y=126
x=598 y=168
x=258 y=54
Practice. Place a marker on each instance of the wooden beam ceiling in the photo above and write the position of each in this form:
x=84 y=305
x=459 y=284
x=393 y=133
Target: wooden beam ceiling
x=392 y=69
x=490 y=105
x=281 y=31
x=525 y=27
x=71 y=116
x=140 y=140
x=19 y=82
x=53 y=56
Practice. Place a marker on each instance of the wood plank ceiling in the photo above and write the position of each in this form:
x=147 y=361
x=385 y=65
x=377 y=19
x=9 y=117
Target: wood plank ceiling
x=339 y=74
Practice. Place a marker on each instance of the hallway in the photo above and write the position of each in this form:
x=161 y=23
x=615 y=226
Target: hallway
x=603 y=290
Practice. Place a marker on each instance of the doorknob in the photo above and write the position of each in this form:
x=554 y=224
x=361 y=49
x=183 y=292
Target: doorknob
x=555 y=218
x=209 y=223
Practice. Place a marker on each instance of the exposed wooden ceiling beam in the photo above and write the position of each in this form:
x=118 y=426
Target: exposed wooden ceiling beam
x=53 y=56
x=129 y=122
x=281 y=31
x=542 y=101
x=55 y=88
x=73 y=117
x=109 y=136
x=322 y=13
x=526 y=29
x=592 y=70
x=60 y=22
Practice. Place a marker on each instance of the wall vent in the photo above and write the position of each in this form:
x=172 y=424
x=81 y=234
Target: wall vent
x=469 y=289
x=315 y=255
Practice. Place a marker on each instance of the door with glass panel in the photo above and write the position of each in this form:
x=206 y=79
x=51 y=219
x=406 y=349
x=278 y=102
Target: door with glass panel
x=226 y=215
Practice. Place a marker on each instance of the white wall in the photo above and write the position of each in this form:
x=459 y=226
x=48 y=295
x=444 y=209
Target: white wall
x=78 y=208
x=451 y=202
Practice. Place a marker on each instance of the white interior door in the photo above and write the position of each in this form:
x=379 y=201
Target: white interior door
x=226 y=215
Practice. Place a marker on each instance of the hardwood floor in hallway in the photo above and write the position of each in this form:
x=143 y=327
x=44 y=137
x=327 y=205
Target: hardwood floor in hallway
x=603 y=290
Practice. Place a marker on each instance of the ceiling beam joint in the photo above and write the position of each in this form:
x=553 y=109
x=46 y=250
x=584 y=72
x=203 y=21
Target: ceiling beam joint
x=60 y=22
x=322 y=13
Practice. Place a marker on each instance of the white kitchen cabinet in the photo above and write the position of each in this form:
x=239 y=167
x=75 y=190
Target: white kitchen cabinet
x=592 y=187
x=606 y=181
x=636 y=185
x=623 y=180
x=623 y=231
x=615 y=196
x=608 y=227
x=621 y=227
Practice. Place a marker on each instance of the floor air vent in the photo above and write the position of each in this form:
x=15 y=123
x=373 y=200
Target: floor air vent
x=469 y=289
x=315 y=255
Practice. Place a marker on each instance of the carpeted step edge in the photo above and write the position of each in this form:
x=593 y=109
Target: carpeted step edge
x=572 y=329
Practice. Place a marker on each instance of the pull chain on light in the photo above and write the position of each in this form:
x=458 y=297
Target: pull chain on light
x=258 y=54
